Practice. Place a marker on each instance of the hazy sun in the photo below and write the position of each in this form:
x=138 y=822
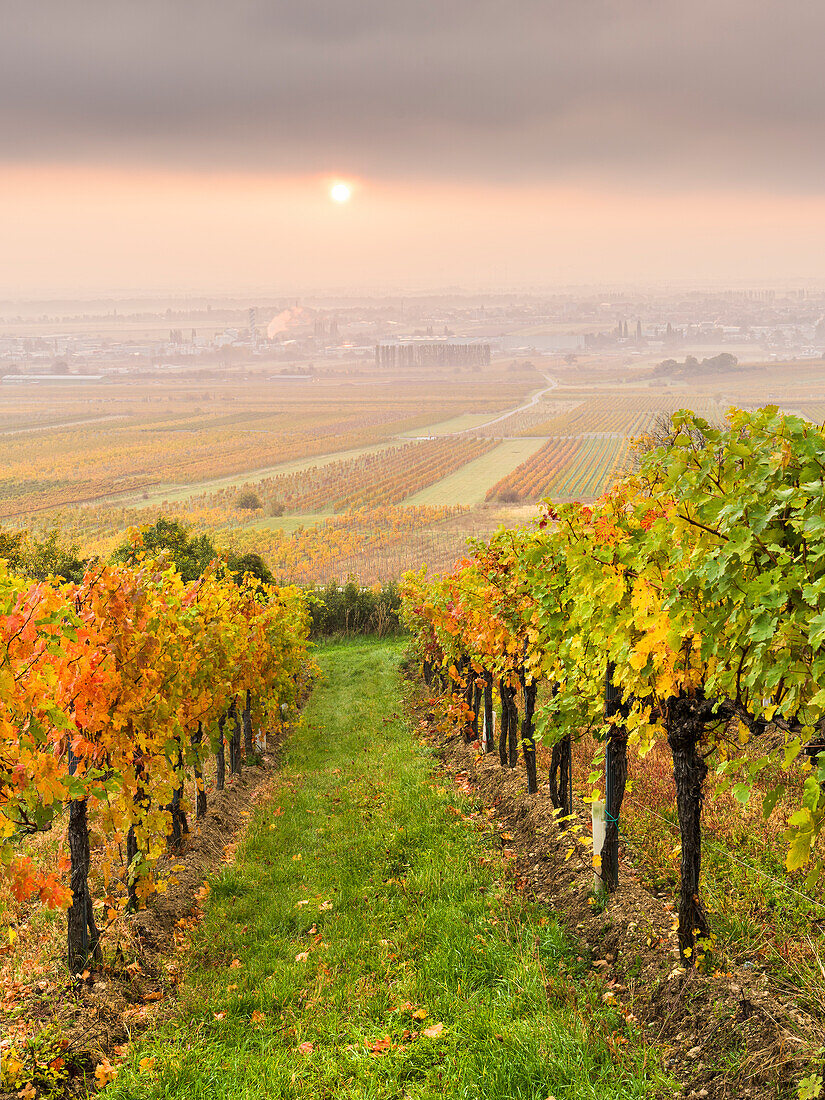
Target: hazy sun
x=340 y=192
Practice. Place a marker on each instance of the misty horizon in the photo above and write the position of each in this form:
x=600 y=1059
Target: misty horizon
x=545 y=146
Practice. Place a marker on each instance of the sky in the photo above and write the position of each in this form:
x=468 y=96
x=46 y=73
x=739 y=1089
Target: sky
x=191 y=144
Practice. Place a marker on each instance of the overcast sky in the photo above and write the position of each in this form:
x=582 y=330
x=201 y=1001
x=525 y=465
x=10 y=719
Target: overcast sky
x=715 y=100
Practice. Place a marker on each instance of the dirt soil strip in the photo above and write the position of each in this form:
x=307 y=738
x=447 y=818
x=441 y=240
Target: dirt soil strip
x=100 y=1012
x=727 y=1035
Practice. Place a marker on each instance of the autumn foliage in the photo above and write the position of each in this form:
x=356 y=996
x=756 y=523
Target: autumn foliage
x=694 y=590
x=112 y=689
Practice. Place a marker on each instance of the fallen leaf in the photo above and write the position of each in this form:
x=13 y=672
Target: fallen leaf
x=325 y=905
x=434 y=1031
x=306 y=1048
x=420 y=1014
x=105 y=1073
x=380 y=1046
x=506 y=836
x=219 y=1015
x=302 y=956
x=234 y=964
x=146 y=1065
x=258 y=1017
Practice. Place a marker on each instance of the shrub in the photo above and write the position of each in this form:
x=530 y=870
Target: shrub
x=248 y=501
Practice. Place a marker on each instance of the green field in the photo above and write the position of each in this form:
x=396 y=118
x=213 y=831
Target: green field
x=455 y=424
x=469 y=485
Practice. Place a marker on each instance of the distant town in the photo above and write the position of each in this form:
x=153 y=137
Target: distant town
x=76 y=341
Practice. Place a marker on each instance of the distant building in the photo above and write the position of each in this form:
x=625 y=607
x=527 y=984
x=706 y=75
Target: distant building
x=69 y=379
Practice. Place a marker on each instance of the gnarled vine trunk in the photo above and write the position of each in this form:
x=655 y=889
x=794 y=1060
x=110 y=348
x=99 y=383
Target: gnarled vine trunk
x=469 y=691
x=200 y=804
x=180 y=827
x=83 y=935
x=235 y=740
x=560 y=778
x=220 y=756
x=508 y=740
x=615 y=766
x=248 y=739
x=685 y=719
x=528 y=736
x=132 y=850
x=489 y=739
x=476 y=707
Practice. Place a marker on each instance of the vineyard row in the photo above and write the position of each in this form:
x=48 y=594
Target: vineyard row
x=112 y=691
x=687 y=604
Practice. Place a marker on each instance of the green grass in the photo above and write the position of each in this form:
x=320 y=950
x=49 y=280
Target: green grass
x=469 y=484
x=458 y=423
x=375 y=893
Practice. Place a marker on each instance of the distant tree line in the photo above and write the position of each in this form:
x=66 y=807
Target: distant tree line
x=395 y=356
x=724 y=361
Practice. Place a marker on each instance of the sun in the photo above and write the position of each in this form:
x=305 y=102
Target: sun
x=340 y=192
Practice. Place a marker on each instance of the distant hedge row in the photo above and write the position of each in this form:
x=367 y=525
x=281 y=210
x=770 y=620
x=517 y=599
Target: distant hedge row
x=341 y=610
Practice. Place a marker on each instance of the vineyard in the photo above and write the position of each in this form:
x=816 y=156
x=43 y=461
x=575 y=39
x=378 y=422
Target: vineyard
x=624 y=415
x=683 y=609
x=529 y=421
x=564 y=468
x=122 y=460
x=657 y=656
x=371 y=481
x=374 y=544
x=115 y=691
x=129 y=439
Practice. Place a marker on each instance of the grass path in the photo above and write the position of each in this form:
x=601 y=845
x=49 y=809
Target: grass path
x=470 y=482
x=364 y=944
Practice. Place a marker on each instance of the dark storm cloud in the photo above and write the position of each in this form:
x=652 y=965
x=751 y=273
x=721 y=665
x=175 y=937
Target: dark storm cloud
x=519 y=90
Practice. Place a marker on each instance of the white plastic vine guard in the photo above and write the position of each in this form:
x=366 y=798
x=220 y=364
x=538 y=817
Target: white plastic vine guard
x=597 y=811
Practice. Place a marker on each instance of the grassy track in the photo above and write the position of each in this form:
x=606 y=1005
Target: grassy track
x=366 y=907
x=469 y=484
